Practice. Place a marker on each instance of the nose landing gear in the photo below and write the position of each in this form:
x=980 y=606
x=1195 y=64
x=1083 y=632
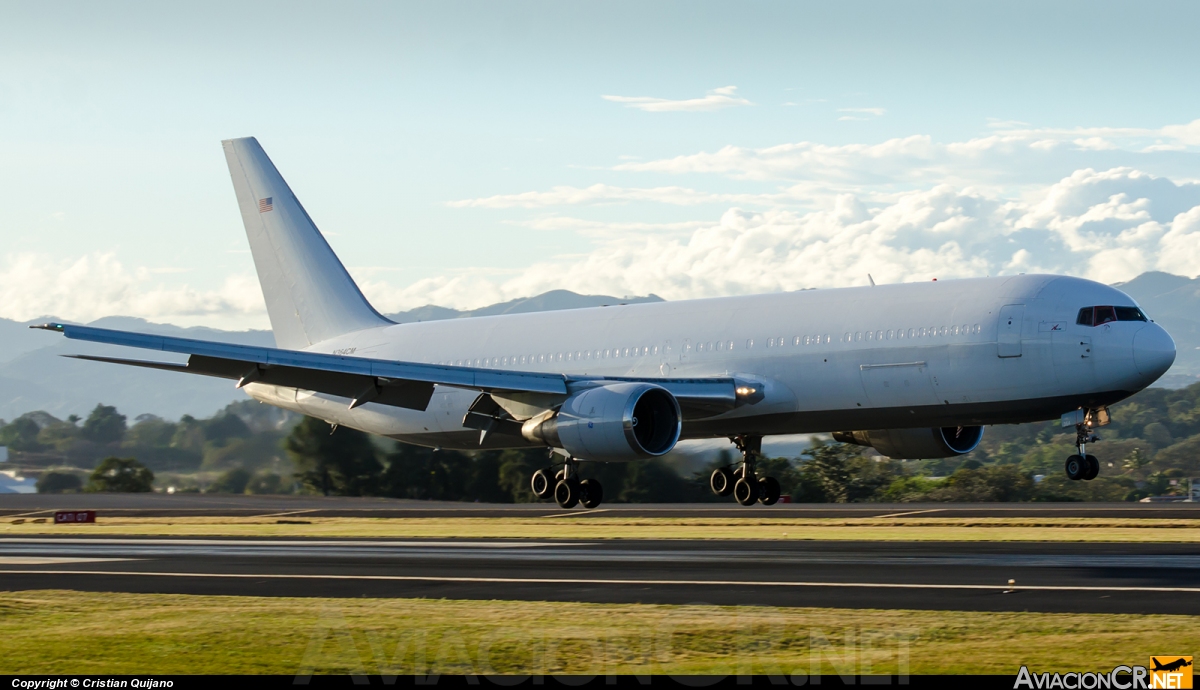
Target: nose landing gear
x=743 y=482
x=1084 y=466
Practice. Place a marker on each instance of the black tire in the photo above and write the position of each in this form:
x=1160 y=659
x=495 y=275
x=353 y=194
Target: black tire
x=566 y=493
x=1093 y=467
x=1076 y=467
x=745 y=491
x=769 y=491
x=541 y=485
x=721 y=481
x=591 y=493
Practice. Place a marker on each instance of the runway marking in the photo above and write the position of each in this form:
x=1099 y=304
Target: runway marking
x=289 y=512
x=586 y=581
x=53 y=560
x=287 y=542
x=576 y=513
x=911 y=512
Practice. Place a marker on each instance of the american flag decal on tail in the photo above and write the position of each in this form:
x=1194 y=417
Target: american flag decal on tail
x=264 y=205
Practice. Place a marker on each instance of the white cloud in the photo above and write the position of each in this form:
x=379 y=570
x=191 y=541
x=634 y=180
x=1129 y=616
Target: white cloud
x=1107 y=225
x=1007 y=155
x=858 y=113
x=88 y=287
x=608 y=194
x=724 y=97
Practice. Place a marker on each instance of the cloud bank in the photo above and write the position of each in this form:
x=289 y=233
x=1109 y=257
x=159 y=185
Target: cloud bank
x=797 y=215
x=1107 y=225
x=88 y=287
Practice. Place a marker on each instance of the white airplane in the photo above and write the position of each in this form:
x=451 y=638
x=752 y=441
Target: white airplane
x=913 y=370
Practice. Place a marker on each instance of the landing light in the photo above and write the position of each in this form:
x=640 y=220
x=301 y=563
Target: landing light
x=745 y=390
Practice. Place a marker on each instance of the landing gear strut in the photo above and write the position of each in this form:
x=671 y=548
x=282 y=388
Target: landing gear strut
x=566 y=487
x=743 y=482
x=1082 y=465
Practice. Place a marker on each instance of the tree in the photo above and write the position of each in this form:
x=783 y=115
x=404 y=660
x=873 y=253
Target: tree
x=267 y=483
x=985 y=484
x=232 y=482
x=120 y=475
x=59 y=483
x=342 y=462
x=825 y=473
x=21 y=434
x=104 y=425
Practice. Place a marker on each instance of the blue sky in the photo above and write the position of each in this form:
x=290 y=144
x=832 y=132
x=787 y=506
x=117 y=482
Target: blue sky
x=463 y=153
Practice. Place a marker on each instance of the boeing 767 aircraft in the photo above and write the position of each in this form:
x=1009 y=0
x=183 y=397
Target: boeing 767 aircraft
x=914 y=370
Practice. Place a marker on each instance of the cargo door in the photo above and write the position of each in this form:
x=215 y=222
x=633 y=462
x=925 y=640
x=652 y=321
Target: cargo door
x=1008 y=335
x=898 y=385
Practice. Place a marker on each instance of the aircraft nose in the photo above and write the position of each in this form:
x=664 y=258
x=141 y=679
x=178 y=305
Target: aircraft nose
x=1153 y=351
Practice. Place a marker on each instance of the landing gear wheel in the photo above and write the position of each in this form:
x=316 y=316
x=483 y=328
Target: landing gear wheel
x=721 y=481
x=745 y=491
x=566 y=493
x=1076 y=467
x=541 y=485
x=1093 y=467
x=769 y=491
x=590 y=493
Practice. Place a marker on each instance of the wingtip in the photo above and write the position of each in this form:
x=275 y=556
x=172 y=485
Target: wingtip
x=48 y=326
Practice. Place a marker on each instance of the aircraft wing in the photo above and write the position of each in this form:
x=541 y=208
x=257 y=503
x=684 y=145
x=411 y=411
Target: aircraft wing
x=387 y=382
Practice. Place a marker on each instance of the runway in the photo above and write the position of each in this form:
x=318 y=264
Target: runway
x=1050 y=577
x=232 y=505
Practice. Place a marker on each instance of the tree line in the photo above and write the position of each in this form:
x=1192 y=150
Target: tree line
x=1151 y=448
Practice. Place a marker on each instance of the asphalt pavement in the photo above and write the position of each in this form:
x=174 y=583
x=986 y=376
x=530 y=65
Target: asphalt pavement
x=1052 y=577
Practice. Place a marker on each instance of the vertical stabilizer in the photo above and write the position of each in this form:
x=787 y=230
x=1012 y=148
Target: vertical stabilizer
x=310 y=296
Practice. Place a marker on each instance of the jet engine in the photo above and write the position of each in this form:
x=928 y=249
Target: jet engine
x=916 y=444
x=613 y=423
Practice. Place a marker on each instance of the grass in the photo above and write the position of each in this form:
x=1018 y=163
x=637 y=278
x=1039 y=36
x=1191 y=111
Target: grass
x=578 y=526
x=66 y=632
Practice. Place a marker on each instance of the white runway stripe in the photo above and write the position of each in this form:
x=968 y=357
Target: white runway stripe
x=585 y=581
x=54 y=560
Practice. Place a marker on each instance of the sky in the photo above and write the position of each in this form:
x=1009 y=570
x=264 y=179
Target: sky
x=462 y=154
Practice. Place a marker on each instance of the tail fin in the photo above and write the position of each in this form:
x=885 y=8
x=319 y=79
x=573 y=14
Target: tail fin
x=310 y=296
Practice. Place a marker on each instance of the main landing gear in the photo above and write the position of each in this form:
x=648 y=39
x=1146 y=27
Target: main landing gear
x=566 y=487
x=1082 y=465
x=743 y=482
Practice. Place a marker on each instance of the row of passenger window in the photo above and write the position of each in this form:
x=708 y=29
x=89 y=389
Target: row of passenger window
x=577 y=356
x=712 y=346
x=901 y=334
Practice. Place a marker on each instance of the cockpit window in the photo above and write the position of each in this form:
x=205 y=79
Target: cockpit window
x=1130 y=314
x=1097 y=316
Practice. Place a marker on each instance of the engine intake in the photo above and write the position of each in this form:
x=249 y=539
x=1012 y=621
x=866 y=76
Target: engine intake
x=916 y=444
x=613 y=423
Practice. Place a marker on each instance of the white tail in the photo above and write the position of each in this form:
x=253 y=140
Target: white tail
x=310 y=296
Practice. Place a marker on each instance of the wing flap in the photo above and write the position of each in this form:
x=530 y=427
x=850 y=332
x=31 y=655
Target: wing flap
x=249 y=355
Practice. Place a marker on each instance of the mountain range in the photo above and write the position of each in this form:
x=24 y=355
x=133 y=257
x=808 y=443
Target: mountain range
x=34 y=377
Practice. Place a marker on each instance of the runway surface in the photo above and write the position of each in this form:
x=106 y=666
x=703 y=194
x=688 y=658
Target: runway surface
x=1052 y=577
x=213 y=505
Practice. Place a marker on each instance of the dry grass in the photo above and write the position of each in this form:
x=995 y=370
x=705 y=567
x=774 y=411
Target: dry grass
x=66 y=632
x=578 y=526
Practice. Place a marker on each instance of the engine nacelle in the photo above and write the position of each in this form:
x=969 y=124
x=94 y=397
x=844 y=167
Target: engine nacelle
x=916 y=444
x=613 y=423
